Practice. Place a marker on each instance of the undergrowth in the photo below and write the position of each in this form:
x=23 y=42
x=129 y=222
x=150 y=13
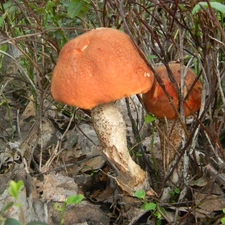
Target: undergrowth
x=189 y=32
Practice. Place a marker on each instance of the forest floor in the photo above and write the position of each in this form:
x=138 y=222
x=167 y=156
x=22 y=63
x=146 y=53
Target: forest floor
x=57 y=155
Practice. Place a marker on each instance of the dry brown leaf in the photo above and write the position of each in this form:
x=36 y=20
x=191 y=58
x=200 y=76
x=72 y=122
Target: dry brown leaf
x=56 y=187
x=207 y=204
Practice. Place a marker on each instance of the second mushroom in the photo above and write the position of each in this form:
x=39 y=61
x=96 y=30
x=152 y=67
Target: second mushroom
x=165 y=104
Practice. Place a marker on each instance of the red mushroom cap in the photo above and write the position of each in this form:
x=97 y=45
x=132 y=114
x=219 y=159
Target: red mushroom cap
x=157 y=102
x=98 y=67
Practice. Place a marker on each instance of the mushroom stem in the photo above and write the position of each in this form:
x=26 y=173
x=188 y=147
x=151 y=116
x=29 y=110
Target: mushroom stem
x=171 y=140
x=111 y=131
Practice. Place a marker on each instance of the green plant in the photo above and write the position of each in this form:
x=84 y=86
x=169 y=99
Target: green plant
x=215 y=5
x=175 y=195
x=72 y=200
x=14 y=191
x=15 y=188
x=156 y=210
x=189 y=32
x=223 y=218
x=149 y=118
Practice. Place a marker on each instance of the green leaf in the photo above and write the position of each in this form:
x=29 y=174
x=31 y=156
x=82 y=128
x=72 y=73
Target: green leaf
x=11 y=221
x=158 y=215
x=218 y=6
x=3 y=48
x=223 y=210
x=182 y=7
x=198 y=7
x=223 y=220
x=36 y=223
x=10 y=7
x=75 y=7
x=140 y=194
x=57 y=207
x=152 y=57
x=161 y=210
x=177 y=190
x=159 y=222
x=15 y=187
x=149 y=206
x=49 y=5
x=75 y=199
x=149 y=118
x=7 y=5
x=215 y=5
x=2 y=19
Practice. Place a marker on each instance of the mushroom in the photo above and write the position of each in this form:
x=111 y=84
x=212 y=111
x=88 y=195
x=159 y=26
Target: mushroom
x=167 y=108
x=94 y=70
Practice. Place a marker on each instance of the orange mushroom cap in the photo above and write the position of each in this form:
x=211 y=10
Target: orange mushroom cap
x=98 y=67
x=157 y=101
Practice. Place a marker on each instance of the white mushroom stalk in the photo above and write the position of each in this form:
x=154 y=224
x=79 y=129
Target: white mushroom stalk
x=111 y=130
x=94 y=70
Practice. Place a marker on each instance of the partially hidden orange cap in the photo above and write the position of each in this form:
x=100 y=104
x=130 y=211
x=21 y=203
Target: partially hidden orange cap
x=157 y=101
